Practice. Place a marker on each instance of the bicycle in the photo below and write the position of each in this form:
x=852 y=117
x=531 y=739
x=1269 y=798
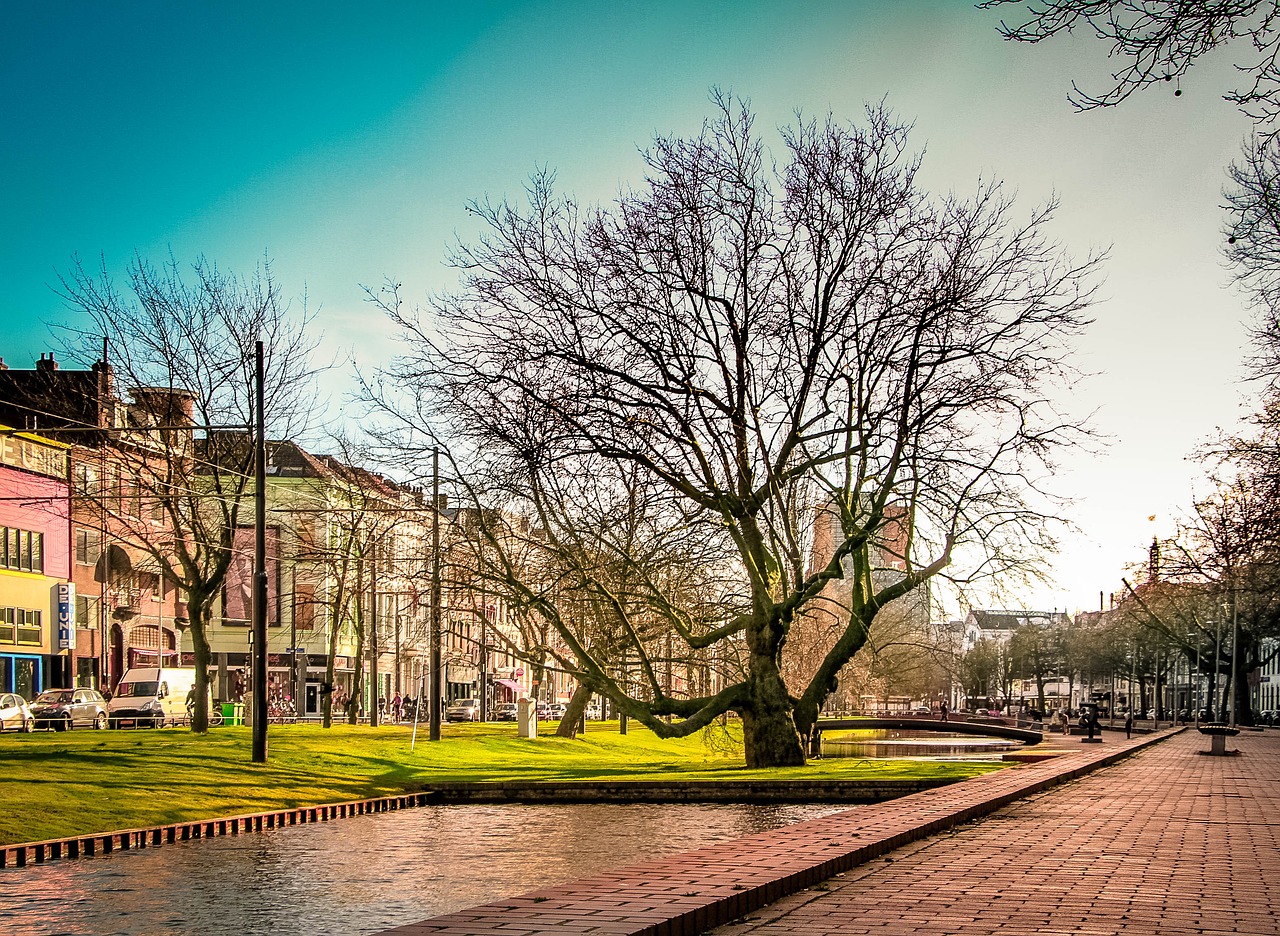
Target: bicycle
x=215 y=715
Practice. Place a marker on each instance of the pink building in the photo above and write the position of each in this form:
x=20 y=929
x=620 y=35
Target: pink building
x=35 y=565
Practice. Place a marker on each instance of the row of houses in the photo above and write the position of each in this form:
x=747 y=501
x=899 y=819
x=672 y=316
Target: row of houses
x=90 y=565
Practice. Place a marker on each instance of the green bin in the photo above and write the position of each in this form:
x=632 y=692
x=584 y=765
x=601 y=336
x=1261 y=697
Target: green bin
x=229 y=713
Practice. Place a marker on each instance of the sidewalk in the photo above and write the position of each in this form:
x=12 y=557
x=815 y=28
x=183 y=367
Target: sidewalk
x=1088 y=855
x=1166 y=842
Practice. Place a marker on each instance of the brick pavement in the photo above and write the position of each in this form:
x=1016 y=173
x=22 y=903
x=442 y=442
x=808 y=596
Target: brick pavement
x=1168 y=842
x=1102 y=835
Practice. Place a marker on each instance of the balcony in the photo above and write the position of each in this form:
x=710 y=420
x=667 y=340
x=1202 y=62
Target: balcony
x=125 y=602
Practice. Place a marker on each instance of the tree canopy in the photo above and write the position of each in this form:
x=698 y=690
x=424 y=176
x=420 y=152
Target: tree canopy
x=788 y=372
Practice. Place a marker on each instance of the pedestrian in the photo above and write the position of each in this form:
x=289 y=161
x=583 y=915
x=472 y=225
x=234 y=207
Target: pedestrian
x=396 y=703
x=1128 y=724
x=1065 y=721
x=943 y=708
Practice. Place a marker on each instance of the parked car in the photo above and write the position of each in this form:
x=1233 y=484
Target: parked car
x=556 y=710
x=594 y=711
x=64 y=709
x=15 y=714
x=505 y=711
x=463 y=710
x=544 y=711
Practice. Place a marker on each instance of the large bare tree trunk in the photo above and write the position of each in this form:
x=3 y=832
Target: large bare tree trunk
x=568 y=727
x=768 y=729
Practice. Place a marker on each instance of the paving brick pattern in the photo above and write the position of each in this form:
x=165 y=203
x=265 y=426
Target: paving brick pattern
x=1169 y=842
x=1096 y=849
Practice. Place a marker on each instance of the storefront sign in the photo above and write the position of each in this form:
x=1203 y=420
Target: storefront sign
x=66 y=616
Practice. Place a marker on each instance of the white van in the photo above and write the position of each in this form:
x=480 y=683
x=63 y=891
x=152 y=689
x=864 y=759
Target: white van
x=151 y=696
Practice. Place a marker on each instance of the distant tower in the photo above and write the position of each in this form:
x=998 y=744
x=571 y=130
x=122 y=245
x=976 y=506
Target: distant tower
x=1153 y=562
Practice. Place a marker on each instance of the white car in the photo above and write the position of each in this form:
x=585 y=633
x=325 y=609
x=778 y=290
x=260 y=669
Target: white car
x=463 y=710
x=15 y=714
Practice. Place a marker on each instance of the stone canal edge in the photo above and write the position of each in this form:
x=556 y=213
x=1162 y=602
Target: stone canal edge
x=690 y=893
x=853 y=792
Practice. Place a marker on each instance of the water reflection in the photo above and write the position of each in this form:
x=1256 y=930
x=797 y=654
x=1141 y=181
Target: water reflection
x=360 y=875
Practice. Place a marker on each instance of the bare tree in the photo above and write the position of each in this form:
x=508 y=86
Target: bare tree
x=183 y=346
x=1158 y=41
x=755 y=344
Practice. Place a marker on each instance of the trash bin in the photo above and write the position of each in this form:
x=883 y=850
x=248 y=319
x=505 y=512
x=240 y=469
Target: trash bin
x=228 y=713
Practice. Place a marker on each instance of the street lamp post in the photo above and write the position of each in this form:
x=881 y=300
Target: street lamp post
x=436 y=686
x=260 y=566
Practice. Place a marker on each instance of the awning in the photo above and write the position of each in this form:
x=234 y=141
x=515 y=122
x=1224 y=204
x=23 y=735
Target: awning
x=510 y=684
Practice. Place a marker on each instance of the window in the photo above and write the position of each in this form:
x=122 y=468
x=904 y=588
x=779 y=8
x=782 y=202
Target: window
x=20 y=626
x=22 y=550
x=88 y=546
x=87 y=610
x=304 y=607
x=29 y=627
x=84 y=480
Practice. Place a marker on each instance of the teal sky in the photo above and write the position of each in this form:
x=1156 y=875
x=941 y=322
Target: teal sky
x=343 y=141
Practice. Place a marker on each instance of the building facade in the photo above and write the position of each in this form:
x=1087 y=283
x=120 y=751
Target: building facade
x=37 y=599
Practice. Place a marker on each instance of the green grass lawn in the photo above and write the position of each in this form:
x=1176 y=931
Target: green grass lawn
x=55 y=785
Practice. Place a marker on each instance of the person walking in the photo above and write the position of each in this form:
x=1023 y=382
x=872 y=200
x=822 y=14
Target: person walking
x=1128 y=724
x=943 y=708
x=396 y=702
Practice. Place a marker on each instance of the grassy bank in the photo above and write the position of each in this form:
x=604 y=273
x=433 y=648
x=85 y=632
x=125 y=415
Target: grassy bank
x=64 y=784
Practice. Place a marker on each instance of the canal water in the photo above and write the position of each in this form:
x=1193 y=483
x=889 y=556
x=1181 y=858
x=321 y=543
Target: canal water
x=361 y=875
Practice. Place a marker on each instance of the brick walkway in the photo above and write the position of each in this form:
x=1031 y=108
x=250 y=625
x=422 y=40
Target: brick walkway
x=1167 y=842
x=1123 y=850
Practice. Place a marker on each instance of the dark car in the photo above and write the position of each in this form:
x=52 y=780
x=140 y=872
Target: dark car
x=505 y=711
x=64 y=709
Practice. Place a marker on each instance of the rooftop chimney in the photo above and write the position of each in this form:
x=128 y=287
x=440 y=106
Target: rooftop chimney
x=47 y=364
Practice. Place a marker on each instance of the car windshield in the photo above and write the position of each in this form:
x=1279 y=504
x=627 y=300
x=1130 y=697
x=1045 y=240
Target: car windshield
x=134 y=690
x=466 y=703
x=54 y=696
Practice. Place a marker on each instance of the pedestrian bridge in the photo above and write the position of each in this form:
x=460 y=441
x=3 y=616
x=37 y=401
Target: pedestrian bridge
x=989 y=729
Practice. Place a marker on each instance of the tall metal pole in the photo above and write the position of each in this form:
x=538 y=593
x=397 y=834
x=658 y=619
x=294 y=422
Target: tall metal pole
x=436 y=686
x=260 y=567
x=1218 y=715
x=375 y=709
x=1235 y=633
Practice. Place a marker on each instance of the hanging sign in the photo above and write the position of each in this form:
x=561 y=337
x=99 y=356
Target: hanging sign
x=66 y=616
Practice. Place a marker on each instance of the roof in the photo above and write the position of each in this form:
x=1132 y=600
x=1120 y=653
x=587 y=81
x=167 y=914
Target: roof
x=993 y=620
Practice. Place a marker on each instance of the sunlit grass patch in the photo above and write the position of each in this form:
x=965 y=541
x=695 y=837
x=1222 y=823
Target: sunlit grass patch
x=64 y=784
